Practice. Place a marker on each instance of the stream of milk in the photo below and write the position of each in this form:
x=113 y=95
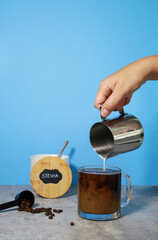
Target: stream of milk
x=104 y=160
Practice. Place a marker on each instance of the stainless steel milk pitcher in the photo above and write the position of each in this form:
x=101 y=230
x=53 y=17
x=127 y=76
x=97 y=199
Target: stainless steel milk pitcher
x=118 y=135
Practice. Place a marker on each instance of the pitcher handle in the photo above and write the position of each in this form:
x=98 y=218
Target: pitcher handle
x=129 y=189
x=122 y=112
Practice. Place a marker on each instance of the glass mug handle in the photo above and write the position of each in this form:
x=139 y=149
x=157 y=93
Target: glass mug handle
x=129 y=189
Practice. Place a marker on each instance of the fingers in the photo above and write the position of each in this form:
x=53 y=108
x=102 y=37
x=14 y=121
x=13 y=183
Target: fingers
x=118 y=107
x=123 y=102
x=127 y=99
x=103 y=93
x=112 y=96
x=114 y=100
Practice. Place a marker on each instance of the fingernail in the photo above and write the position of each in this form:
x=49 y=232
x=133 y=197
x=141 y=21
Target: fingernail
x=105 y=112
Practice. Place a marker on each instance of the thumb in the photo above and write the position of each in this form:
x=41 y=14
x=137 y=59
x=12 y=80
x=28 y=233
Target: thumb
x=111 y=103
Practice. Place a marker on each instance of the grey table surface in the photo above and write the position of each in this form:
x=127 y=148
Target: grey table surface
x=139 y=220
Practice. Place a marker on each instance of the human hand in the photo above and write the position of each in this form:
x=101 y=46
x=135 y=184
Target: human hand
x=116 y=90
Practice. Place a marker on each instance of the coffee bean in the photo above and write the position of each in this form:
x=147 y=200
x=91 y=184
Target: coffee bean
x=37 y=210
x=33 y=211
x=28 y=210
x=25 y=206
x=40 y=210
x=47 y=213
x=20 y=209
x=59 y=210
x=48 y=209
x=72 y=223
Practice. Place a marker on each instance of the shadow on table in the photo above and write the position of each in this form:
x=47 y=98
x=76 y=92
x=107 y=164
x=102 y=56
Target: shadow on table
x=73 y=189
x=142 y=197
x=74 y=169
x=8 y=210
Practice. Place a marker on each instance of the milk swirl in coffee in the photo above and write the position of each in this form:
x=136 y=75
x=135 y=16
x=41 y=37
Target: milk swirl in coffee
x=99 y=191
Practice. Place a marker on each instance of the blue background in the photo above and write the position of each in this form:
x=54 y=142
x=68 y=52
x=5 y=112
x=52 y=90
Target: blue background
x=53 y=55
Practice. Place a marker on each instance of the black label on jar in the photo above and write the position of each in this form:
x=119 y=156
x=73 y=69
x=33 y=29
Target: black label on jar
x=50 y=176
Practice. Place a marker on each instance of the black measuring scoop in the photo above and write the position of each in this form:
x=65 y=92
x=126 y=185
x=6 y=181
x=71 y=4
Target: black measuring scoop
x=24 y=195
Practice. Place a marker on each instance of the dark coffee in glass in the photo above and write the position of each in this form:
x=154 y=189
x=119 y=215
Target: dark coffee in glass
x=99 y=192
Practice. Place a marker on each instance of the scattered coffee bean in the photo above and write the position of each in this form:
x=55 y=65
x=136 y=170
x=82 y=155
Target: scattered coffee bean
x=33 y=211
x=44 y=210
x=37 y=211
x=48 y=213
x=20 y=209
x=58 y=211
x=48 y=209
x=25 y=206
x=28 y=210
x=72 y=223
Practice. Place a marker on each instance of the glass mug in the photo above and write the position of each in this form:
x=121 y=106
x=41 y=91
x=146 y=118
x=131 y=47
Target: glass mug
x=99 y=192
